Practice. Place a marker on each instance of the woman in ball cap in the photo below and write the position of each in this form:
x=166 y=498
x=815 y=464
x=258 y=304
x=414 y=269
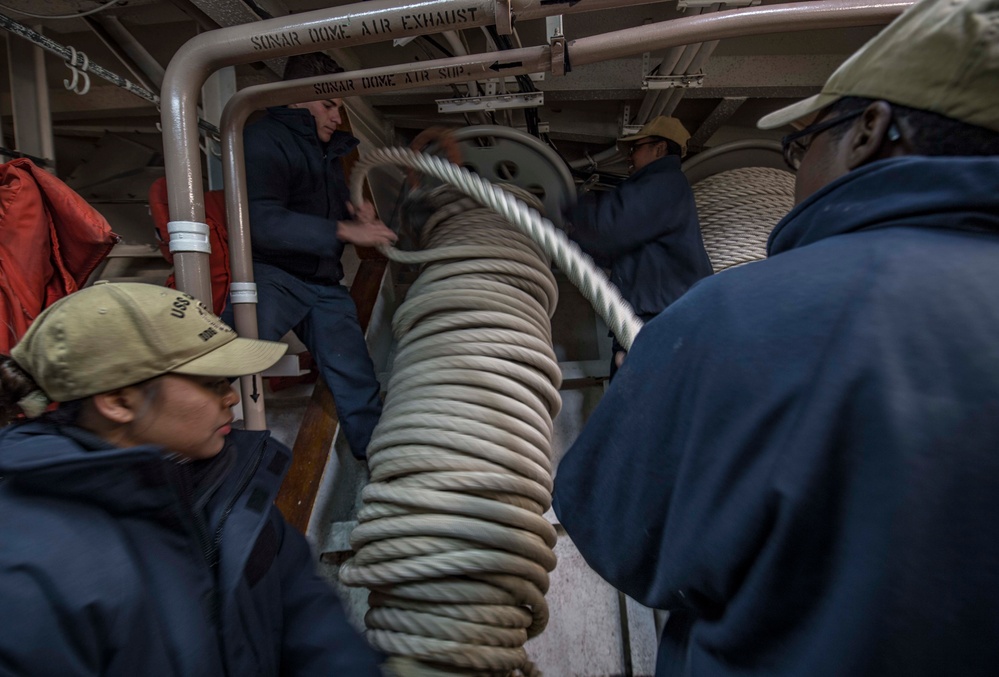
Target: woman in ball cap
x=138 y=534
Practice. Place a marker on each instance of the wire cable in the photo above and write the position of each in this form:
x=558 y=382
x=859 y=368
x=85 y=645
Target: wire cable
x=79 y=15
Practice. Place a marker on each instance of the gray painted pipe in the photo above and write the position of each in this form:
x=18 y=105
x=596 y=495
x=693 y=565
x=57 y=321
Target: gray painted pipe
x=687 y=30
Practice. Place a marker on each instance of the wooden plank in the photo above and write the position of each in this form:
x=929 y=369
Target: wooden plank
x=314 y=442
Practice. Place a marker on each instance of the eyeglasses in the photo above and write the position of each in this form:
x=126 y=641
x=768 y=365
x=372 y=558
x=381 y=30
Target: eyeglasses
x=794 y=146
x=636 y=146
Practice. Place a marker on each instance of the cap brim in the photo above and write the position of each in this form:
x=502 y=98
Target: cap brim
x=634 y=137
x=238 y=357
x=795 y=111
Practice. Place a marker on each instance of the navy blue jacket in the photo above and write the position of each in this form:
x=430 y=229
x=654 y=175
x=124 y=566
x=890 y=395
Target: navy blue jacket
x=118 y=562
x=801 y=456
x=297 y=193
x=646 y=232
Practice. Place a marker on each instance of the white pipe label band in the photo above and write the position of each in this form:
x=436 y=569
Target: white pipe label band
x=243 y=292
x=188 y=236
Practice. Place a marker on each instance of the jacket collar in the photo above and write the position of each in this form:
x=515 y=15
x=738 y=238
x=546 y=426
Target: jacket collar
x=70 y=462
x=301 y=122
x=914 y=191
x=663 y=164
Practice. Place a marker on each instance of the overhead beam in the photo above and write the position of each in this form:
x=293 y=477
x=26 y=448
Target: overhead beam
x=146 y=70
x=718 y=117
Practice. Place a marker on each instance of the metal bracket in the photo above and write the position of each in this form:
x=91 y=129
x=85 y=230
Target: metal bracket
x=685 y=81
x=559 y=55
x=500 y=101
x=553 y=26
x=504 y=17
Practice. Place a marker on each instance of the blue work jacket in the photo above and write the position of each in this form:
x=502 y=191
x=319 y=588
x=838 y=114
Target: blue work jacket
x=297 y=192
x=646 y=231
x=120 y=562
x=800 y=457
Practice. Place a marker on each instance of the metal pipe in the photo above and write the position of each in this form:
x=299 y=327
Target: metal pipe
x=147 y=63
x=654 y=100
x=755 y=20
x=669 y=98
x=104 y=35
x=707 y=49
x=668 y=102
x=359 y=23
x=244 y=102
x=760 y=20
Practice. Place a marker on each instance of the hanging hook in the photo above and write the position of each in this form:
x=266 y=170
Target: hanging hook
x=71 y=64
x=74 y=84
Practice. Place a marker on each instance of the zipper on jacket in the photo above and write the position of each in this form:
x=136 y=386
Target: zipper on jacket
x=213 y=546
x=244 y=481
x=185 y=488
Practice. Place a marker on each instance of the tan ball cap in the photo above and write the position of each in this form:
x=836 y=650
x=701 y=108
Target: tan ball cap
x=113 y=335
x=940 y=56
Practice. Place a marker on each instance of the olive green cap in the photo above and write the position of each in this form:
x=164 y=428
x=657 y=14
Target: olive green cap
x=940 y=56
x=668 y=128
x=117 y=334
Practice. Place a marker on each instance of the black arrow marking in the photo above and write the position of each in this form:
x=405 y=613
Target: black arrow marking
x=254 y=395
x=497 y=66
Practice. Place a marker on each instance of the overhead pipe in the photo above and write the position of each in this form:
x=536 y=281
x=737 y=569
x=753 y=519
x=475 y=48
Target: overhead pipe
x=652 y=100
x=685 y=30
x=694 y=56
x=355 y=24
x=128 y=49
x=707 y=49
x=733 y=23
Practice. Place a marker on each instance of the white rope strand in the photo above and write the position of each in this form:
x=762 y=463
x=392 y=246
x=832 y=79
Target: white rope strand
x=567 y=255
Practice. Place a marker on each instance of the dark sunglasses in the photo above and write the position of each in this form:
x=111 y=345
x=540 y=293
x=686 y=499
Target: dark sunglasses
x=794 y=146
x=636 y=146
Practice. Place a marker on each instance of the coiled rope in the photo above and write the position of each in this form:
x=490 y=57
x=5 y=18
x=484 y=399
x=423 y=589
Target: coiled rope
x=570 y=259
x=451 y=539
x=737 y=210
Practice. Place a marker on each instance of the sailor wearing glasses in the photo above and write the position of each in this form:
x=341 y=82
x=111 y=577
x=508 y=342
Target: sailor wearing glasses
x=799 y=459
x=645 y=230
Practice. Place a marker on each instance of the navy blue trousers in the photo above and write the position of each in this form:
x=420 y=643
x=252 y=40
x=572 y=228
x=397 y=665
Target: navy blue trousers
x=324 y=317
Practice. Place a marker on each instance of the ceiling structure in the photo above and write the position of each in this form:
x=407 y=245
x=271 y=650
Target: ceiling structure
x=583 y=111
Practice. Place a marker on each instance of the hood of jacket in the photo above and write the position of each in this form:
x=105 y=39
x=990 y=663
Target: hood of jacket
x=301 y=122
x=914 y=191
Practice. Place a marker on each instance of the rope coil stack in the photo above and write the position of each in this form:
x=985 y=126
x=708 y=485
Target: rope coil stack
x=451 y=538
